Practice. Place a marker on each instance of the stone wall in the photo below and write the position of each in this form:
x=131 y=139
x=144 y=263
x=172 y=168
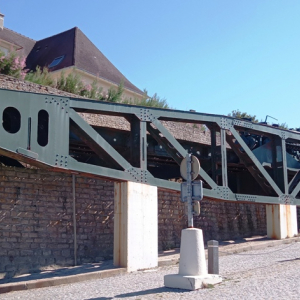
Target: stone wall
x=36 y=220
x=219 y=220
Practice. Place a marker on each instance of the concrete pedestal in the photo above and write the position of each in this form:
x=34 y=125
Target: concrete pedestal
x=192 y=265
x=281 y=221
x=135 y=226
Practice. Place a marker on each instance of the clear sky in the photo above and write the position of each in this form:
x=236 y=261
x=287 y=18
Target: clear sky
x=213 y=56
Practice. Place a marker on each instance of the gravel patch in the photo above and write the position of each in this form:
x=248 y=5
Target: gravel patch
x=272 y=273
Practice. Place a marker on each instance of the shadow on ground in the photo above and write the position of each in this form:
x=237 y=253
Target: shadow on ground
x=108 y=264
x=244 y=240
x=61 y=272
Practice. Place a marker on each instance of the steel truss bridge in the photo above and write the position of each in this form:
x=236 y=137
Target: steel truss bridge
x=243 y=162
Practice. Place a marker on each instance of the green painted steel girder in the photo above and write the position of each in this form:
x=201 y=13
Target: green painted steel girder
x=48 y=131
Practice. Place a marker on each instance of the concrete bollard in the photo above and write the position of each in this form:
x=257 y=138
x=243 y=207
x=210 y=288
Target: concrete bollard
x=192 y=265
x=213 y=257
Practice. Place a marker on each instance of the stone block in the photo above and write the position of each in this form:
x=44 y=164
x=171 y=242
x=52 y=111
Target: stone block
x=192 y=283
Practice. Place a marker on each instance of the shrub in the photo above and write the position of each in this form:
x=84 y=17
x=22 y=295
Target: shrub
x=12 y=65
x=92 y=91
x=154 y=101
x=40 y=77
x=71 y=84
x=114 y=95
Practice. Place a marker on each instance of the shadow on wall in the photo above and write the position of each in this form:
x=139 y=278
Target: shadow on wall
x=36 y=220
x=218 y=220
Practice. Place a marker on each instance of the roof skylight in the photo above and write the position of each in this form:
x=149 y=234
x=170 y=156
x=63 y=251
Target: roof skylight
x=56 y=61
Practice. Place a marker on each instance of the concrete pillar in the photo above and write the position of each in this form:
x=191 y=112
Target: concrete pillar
x=135 y=226
x=281 y=221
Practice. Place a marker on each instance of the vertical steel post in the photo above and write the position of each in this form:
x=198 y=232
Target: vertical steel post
x=284 y=167
x=135 y=141
x=213 y=257
x=143 y=145
x=74 y=219
x=189 y=190
x=213 y=154
x=224 y=157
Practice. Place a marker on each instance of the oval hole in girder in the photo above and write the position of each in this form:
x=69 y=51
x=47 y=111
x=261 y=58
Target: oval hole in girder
x=11 y=120
x=43 y=128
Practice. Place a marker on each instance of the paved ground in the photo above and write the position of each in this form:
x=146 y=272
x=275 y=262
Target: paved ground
x=270 y=272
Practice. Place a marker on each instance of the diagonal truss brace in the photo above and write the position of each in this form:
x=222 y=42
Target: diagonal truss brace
x=99 y=140
x=248 y=163
x=297 y=187
x=182 y=151
x=255 y=161
x=294 y=182
x=171 y=151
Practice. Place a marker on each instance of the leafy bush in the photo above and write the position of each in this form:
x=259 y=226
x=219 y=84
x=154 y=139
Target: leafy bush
x=114 y=95
x=154 y=101
x=92 y=91
x=71 y=84
x=40 y=77
x=12 y=65
x=240 y=115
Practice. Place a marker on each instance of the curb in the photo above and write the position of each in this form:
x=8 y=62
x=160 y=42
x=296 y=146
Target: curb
x=237 y=249
x=48 y=282
x=40 y=283
x=261 y=245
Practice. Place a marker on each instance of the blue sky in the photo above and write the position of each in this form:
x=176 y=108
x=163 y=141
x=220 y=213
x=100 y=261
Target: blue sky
x=213 y=56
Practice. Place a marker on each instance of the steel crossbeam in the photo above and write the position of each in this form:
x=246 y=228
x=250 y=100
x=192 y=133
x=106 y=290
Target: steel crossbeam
x=243 y=161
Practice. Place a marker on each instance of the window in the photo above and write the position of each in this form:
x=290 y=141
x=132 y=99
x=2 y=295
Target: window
x=43 y=128
x=11 y=120
x=56 y=61
x=4 y=50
